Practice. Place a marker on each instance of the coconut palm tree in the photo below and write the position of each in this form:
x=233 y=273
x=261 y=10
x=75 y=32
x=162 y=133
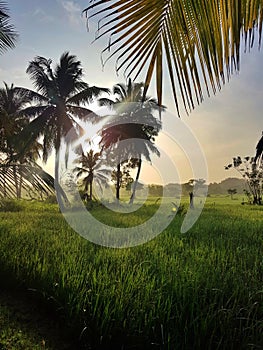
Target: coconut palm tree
x=60 y=96
x=8 y=34
x=92 y=166
x=12 y=102
x=12 y=121
x=133 y=120
x=14 y=167
x=199 y=42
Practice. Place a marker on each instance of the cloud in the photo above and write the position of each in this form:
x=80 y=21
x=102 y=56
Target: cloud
x=42 y=16
x=73 y=11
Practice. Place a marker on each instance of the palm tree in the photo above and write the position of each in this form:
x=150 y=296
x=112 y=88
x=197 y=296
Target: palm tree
x=133 y=120
x=8 y=35
x=59 y=98
x=12 y=101
x=198 y=41
x=18 y=171
x=92 y=167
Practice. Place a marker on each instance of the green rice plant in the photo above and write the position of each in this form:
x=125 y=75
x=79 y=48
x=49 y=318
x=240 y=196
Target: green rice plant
x=197 y=290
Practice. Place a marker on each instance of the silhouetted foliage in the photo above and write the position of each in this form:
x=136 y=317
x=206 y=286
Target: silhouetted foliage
x=8 y=35
x=133 y=123
x=252 y=173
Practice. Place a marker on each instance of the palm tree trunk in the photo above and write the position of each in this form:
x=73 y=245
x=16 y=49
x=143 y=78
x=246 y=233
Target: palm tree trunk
x=20 y=182
x=16 y=181
x=59 y=199
x=5 y=174
x=118 y=181
x=136 y=182
x=90 y=190
x=59 y=193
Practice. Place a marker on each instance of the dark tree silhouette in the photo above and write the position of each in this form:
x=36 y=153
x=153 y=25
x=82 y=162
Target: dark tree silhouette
x=92 y=168
x=12 y=102
x=133 y=120
x=252 y=173
x=259 y=149
x=232 y=191
x=60 y=96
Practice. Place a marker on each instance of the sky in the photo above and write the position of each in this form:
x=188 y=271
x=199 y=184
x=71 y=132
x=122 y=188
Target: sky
x=225 y=125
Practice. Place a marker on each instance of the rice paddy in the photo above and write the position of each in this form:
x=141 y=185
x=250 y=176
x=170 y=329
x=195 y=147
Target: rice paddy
x=199 y=290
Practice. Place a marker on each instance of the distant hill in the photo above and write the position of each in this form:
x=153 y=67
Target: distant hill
x=224 y=185
x=176 y=190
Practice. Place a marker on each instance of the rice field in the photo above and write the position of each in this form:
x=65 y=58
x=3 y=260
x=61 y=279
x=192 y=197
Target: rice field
x=199 y=290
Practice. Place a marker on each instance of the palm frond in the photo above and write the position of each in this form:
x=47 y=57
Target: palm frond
x=40 y=72
x=30 y=95
x=67 y=73
x=8 y=35
x=83 y=113
x=259 y=149
x=87 y=95
x=34 y=182
x=33 y=130
x=104 y=101
x=33 y=111
x=198 y=41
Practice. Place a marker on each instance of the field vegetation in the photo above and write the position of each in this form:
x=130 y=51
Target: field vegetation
x=198 y=290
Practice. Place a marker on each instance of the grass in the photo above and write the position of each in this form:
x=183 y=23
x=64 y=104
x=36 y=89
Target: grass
x=198 y=290
x=23 y=326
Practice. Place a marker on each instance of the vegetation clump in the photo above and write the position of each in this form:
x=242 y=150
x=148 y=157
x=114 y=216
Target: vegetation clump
x=10 y=205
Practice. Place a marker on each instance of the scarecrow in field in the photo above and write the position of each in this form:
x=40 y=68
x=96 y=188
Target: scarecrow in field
x=191 y=196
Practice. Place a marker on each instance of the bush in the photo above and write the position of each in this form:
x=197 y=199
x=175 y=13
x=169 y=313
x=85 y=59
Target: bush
x=52 y=199
x=12 y=205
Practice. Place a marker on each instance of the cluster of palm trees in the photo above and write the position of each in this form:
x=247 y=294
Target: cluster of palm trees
x=56 y=108
x=198 y=41
x=12 y=121
x=134 y=119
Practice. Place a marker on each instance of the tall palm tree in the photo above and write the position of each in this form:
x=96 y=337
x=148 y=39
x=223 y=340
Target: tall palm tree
x=198 y=41
x=92 y=166
x=18 y=171
x=60 y=96
x=133 y=120
x=8 y=34
x=12 y=101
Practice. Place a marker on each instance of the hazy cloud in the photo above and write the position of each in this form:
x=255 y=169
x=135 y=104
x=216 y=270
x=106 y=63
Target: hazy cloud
x=73 y=11
x=42 y=16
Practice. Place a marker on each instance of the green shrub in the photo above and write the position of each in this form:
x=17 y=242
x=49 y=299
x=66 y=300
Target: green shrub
x=12 y=205
x=52 y=199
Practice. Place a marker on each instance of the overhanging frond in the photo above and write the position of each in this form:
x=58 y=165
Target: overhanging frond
x=87 y=95
x=8 y=35
x=198 y=41
x=31 y=180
